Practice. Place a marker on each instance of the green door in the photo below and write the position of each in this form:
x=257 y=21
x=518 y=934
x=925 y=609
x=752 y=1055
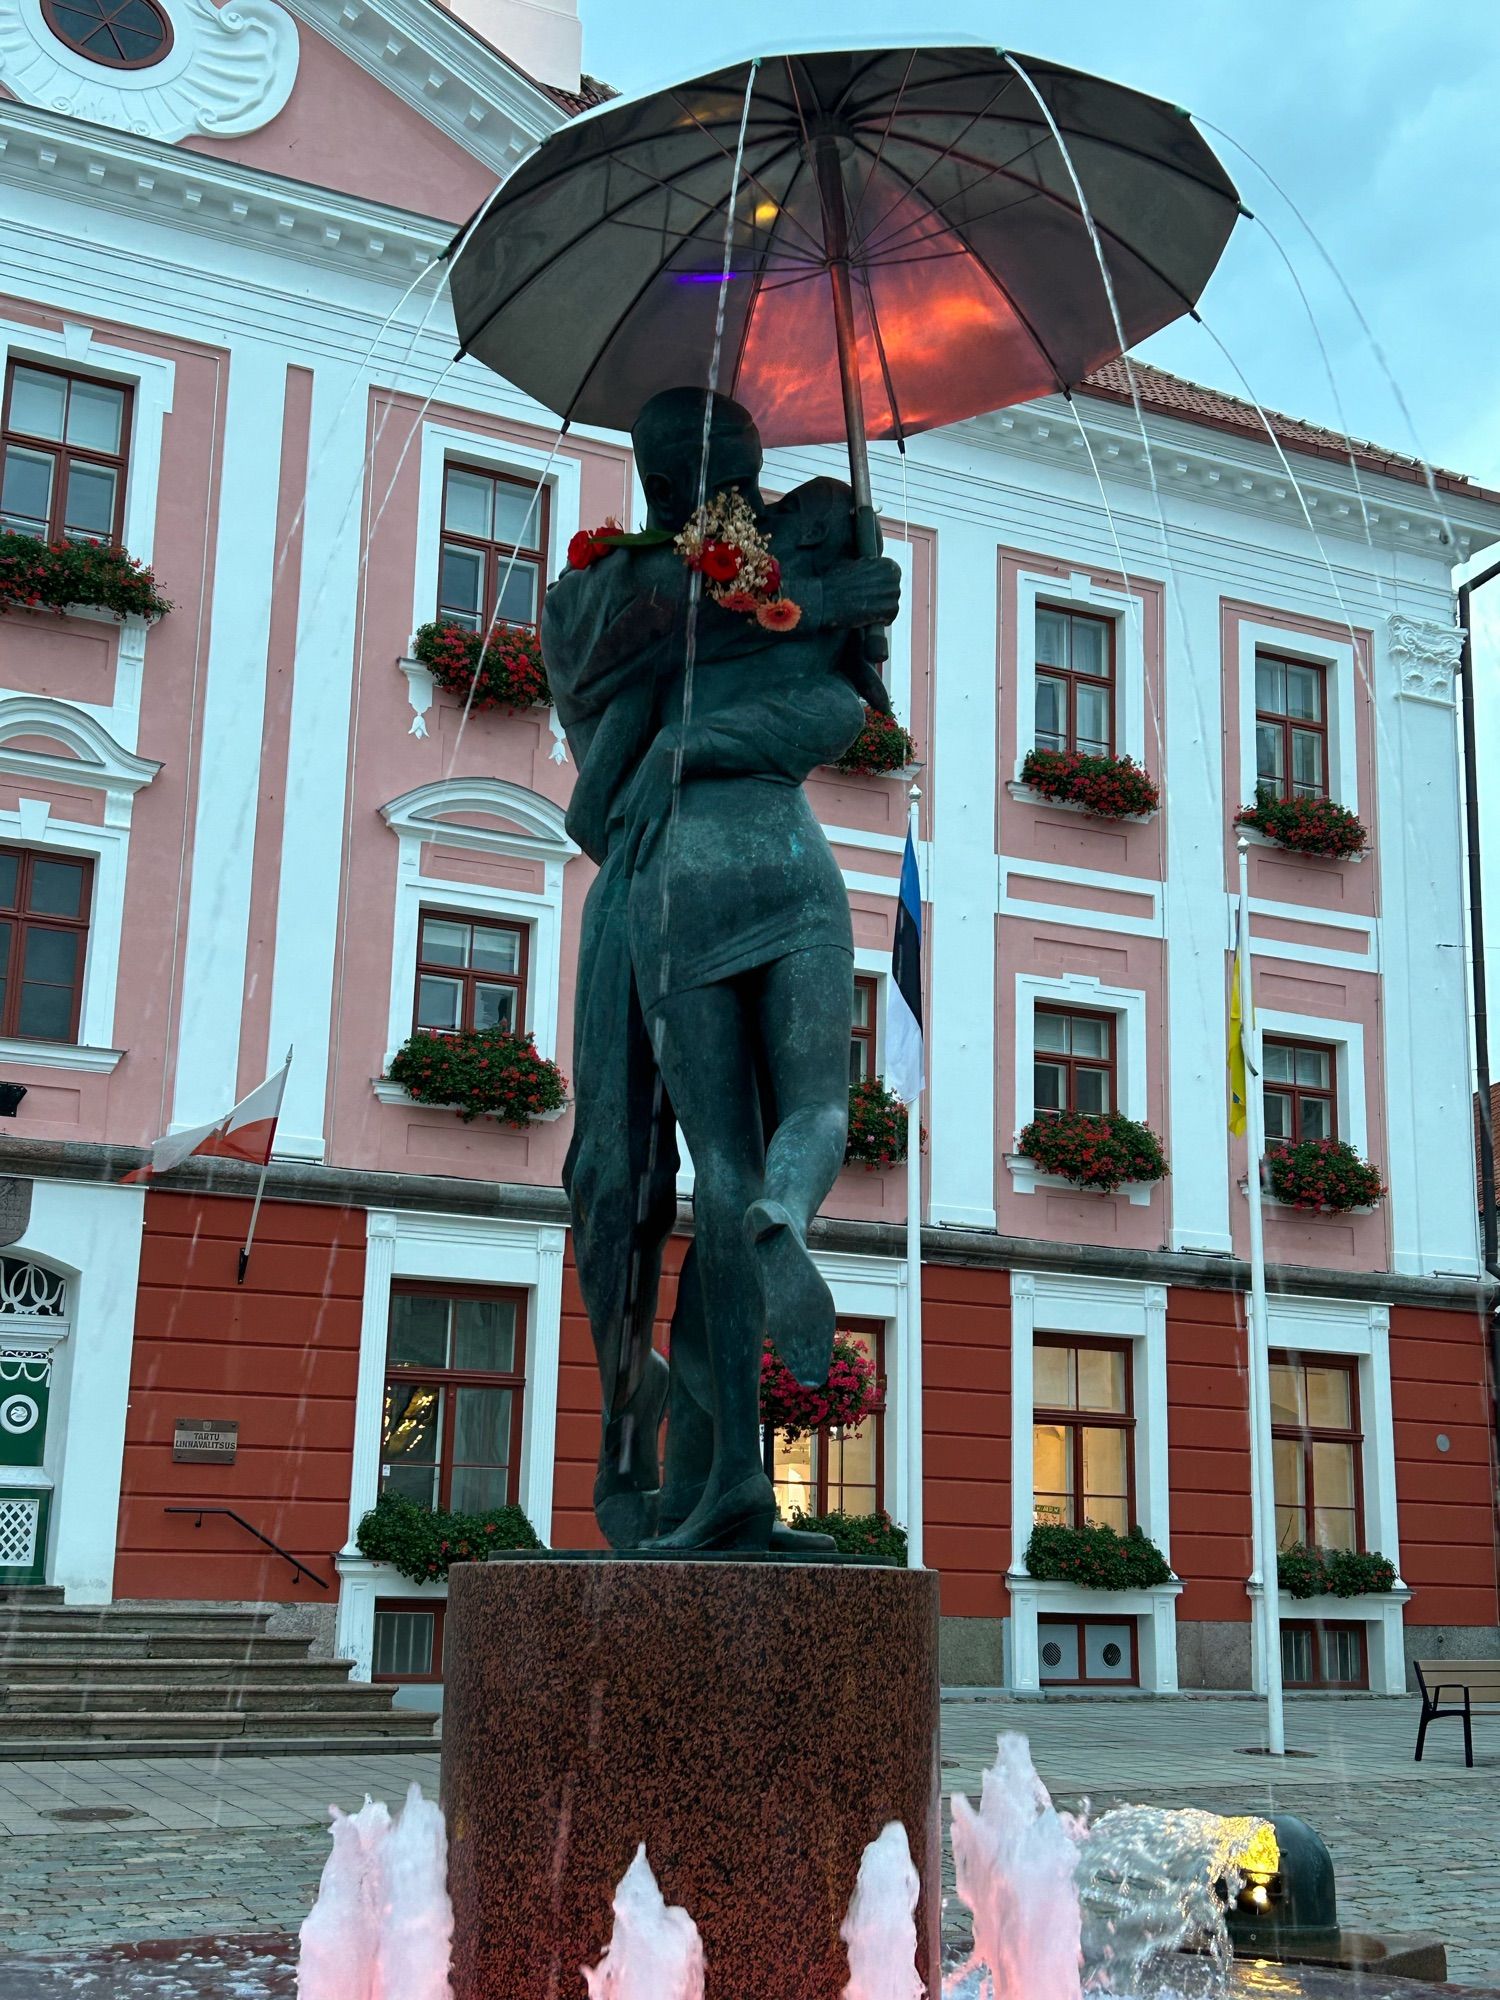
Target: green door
x=25 y=1390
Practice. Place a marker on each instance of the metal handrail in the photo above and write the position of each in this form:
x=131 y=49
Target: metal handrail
x=299 y=1569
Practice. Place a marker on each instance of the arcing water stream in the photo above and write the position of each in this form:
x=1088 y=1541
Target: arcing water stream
x=1059 y=1907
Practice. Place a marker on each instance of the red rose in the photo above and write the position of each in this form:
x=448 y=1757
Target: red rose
x=719 y=562
x=585 y=548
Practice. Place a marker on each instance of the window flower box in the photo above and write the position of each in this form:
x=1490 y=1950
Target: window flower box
x=1095 y=1557
x=422 y=1542
x=480 y=1071
x=873 y=1537
x=877 y=1126
x=1319 y=827
x=850 y=1395
x=1102 y=1153
x=67 y=576
x=882 y=749
x=1106 y=787
x=502 y=670
x=1325 y=1176
x=1303 y=1572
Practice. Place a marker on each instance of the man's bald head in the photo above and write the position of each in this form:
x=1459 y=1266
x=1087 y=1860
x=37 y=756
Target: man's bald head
x=668 y=440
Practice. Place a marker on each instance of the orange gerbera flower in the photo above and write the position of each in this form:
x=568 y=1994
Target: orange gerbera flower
x=780 y=615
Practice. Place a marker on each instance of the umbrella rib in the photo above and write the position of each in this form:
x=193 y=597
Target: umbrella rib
x=864 y=192
x=912 y=186
x=1004 y=290
x=759 y=285
x=656 y=186
x=1060 y=201
x=885 y=366
x=753 y=178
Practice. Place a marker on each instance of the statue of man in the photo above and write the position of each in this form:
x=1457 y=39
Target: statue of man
x=715 y=979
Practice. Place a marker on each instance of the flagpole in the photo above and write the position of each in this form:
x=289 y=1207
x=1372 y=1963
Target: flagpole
x=913 y=1381
x=260 y=1189
x=1262 y=1457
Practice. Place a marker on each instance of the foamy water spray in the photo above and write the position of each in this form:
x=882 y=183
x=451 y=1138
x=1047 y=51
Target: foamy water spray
x=880 y=1930
x=382 y=1925
x=1014 y=1862
x=655 y=1952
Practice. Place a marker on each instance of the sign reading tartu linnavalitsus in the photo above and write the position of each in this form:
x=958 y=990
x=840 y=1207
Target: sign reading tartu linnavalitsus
x=204 y=1441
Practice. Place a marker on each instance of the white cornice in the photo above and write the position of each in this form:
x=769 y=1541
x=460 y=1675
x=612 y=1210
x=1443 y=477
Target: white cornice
x=94 y=167
x=458 y=84
x=1240 y=473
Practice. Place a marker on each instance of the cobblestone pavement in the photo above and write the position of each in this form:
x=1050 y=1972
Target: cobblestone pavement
x=237 y=1845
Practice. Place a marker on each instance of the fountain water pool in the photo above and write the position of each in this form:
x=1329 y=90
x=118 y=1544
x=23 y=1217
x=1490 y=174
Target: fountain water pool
x=1059 y=1907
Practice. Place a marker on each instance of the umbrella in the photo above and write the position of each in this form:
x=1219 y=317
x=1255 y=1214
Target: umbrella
x=907 y=245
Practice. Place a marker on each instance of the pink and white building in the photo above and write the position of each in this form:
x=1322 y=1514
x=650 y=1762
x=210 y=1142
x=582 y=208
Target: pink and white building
x=248 y=825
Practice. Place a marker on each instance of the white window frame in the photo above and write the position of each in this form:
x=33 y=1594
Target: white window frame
x=1075 y=989
x=877 y=1289
x=1078 y=592
x=417 y=819
x=442 y=445
x=99 y=763
x=447 y=1250
x=1350 y=1330
x=152 y=380
x=1337 y=659
x=1113 y=1309
x=1347 y=1039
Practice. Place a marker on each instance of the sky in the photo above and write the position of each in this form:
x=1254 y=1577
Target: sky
x=1381 y=119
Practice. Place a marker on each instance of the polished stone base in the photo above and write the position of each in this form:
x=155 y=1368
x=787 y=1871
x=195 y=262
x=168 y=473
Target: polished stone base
x=754 y=1724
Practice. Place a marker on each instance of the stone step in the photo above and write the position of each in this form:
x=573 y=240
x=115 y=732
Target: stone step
x=147 y=1725
x=107 y=1617
x=267 y=1670
x=52 y=1749
x=191 y=1698
x=110 y=1644
x=29 y=1596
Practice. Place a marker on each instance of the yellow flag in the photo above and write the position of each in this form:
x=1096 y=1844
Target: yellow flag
x=1238 y=1099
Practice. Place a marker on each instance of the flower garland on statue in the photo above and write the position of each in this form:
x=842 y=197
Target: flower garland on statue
x=724 y=544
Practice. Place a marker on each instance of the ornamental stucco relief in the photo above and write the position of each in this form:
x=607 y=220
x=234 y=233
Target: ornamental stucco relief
x=229 y=71
x=1425 y=656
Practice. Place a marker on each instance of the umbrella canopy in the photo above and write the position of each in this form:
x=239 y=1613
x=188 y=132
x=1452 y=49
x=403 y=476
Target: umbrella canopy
x=593 y=279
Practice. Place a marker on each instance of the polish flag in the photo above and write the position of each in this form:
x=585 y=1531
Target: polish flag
x=248 y=1133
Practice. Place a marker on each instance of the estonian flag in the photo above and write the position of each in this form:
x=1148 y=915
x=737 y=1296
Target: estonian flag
x=903 y=1041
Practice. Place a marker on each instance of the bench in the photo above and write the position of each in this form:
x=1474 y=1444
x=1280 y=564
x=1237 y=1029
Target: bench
x=1478 y=1681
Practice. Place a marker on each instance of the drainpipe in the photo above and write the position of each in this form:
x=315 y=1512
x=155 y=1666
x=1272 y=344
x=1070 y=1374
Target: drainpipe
x=1488 y=1220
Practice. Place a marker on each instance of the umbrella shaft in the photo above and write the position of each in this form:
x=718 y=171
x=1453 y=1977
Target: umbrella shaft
x=830 y=177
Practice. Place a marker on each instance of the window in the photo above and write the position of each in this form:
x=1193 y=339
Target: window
x=471 y=973
x=493 y=550
x=453 y=1388
x=44 y=925
x=837 y=1469
x=1299 y=1089
x=1075 y=1062
x=408 y=1641
x=121 y=34
x=66 y=441
x=1291 y=728
x=862 y=1034
x=1075 y=682
x=1316 y=1442
x=1082 y=1434
x=1318 y=1655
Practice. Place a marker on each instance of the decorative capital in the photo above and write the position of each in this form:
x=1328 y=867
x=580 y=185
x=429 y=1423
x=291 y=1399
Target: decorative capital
x=1022 y=1285
x=1425 y=656
x=229 y=70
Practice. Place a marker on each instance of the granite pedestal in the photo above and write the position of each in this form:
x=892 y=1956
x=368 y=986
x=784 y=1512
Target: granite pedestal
x=755 y=1724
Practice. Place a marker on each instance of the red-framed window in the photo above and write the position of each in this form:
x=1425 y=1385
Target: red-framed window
x=1291 y=727
x=66 y=445
x=455 y=1379
x=1087 y=1652
x=1075 y=682
x=835 y=1469
x=471 y=973
x=1299 y=1087
x=493 y=554
x=1074 y=1062
x=1315 y=1654
x=120 y=34
x=1317 y=1445
x=1082 y=1433
x=408 y=1640
x=862 y=1034
x=44 y=929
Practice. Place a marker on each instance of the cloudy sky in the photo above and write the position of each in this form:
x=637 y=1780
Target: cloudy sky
x=1381 y=118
